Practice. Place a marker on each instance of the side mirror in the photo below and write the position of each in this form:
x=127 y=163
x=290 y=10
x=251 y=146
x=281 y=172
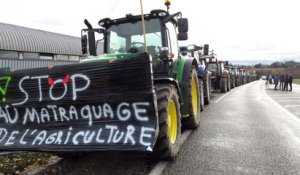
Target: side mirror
x=183 y=25
x=182 y=29
x=92 y=42
x=84 y=44
x=182 y=36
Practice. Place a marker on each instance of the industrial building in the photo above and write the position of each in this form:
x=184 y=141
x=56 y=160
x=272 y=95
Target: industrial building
x=22 y=48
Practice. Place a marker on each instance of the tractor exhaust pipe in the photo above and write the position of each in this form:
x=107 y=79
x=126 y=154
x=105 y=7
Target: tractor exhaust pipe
x=88 y=24
x=205 y=49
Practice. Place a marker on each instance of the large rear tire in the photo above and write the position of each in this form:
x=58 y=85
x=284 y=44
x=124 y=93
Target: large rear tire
x=233 y=82
x=207 y=91
x=201 y=88
x=228 y=83
x=223 y=85
x=167 y=144
x=194 y=108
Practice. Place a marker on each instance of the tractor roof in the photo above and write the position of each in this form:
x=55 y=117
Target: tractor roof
x=154 y=14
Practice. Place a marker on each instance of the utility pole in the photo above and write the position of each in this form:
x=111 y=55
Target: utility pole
x=143 y=25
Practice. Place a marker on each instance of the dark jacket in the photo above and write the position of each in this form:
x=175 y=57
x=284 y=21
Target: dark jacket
x=282 y=78
x=287 y=78
x=290 y=79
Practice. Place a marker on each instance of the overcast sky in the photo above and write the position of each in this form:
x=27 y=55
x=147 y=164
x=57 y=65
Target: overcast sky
x=244 y=30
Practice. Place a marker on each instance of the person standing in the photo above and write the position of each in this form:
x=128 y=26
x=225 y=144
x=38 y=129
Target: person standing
x=290 y=81
x=276 y=80
x=281 y=85
x=286 y=82
x=270 y=78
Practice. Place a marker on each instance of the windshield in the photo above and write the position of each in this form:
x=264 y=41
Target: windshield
x=212 y=66
x=128 y=37
x=236 y=71
x=221 y=65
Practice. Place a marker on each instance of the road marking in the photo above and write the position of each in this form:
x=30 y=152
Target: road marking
x=184 y=136
x=288 y=100
x=161 y=166
x=285 y=96
x=223 y=96
x=291 y=106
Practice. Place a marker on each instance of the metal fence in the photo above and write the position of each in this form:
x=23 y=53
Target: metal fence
x=17 y=64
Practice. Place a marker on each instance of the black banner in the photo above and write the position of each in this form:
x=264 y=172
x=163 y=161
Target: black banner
x=100 y=105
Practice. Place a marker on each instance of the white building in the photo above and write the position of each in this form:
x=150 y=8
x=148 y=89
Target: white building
x=22 y=47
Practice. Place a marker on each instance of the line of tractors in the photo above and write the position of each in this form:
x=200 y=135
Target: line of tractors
x=214 y=74
x=179 y=81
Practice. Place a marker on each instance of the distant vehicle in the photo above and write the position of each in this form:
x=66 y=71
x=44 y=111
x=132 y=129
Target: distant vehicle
x=220 y=76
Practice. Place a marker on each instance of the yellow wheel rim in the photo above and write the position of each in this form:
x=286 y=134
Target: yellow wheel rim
x=194 y=96
x=172 y=121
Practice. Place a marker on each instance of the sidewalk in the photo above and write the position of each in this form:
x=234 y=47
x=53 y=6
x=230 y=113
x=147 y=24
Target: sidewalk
x=296 y=85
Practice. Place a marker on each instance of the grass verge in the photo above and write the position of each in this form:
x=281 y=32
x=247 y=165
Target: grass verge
x=18 y=162
x=296 y=81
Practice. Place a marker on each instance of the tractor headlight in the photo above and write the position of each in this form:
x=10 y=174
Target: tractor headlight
x=162 y=14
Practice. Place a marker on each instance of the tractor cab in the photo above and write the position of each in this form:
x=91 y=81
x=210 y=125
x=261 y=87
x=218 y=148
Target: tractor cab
x=128 y=36
x=210 y=60
x=221 y=67
x=233 y=71
x=195 y=51
x=228 y=67
x=213 y=66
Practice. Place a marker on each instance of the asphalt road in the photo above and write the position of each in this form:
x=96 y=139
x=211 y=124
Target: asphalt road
x=253 y=129
x=246 y=132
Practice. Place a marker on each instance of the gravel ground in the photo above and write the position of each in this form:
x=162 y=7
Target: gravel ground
x=23 y=162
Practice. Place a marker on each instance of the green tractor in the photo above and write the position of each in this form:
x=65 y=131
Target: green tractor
x=219 y=76
x=203 y=74
x=243 y=76
x=231 y=82
x=237 y=76
x=175 y=85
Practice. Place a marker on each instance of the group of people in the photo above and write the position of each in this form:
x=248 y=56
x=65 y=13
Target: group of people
x=283 y=80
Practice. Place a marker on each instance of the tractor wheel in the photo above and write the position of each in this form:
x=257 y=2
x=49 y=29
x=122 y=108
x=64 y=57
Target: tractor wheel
x=207 y=91
x=223 y=84
x=201 y=88
x=167 y=144
x=194 y=107
x=228 y=84
x=216 y=83
x=233 y=82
